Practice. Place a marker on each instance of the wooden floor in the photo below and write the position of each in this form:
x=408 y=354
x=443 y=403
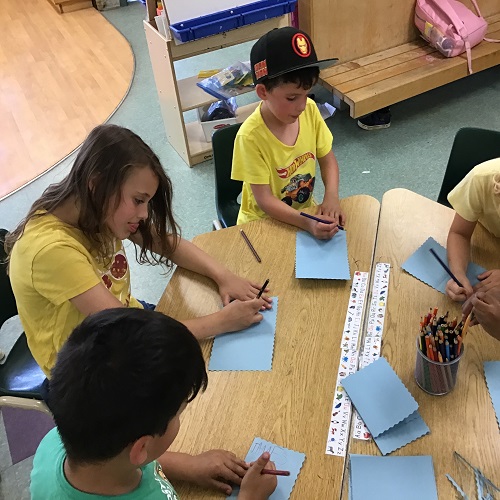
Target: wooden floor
x=60 y=76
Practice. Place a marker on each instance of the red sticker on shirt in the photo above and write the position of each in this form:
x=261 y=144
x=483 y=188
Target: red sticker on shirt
x=119 y=267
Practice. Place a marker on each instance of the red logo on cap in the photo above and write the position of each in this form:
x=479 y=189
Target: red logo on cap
x=301 y=45
x=260 y=69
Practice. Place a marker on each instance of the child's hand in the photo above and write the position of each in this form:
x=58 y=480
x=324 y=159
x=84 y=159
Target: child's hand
x=233 y=287
x=257 y=486
x=331 y=207
x=320 y=230
x=489 y=279
x=459 y=293
x=238 y=315
x=216 y=469
x=486 y=309
x=467 y=309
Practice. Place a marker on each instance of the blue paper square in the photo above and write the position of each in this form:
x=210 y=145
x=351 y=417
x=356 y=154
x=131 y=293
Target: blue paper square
x=401 y=434
x=425 y=267
x=379 y=396
x=492 y=374
x=391 y=478
x=284 y=459
x=248 y=349
x=321 y=259
x=388 y=409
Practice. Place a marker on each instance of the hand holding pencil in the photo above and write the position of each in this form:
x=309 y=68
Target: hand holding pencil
x=457 y=289
x=232 y=287
x=322 y=228
x=459 y=293
x=485 y=306
x=257 y=485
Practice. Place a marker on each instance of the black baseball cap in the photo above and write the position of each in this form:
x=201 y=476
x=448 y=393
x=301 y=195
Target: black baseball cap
x=281 y=51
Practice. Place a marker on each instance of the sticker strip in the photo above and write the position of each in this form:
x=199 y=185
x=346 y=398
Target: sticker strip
x=340 y=417
x=374 y=331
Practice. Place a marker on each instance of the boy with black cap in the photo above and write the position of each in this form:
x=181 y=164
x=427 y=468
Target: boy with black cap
x=277 y=146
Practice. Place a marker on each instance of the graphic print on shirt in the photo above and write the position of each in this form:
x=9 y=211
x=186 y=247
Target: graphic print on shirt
x=299 y=189
x=166 y=488
x=301 y=186
x=114 y=274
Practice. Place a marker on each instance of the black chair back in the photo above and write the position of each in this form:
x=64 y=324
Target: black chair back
x=471 y=147
x=226 y=190
x=20 y=375
x=8 y=306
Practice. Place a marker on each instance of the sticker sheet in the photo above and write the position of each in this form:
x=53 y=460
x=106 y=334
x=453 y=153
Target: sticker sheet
x=340 y=417
x=374 y=332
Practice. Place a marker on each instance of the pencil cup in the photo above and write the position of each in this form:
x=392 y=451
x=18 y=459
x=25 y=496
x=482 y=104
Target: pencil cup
x=433 y=377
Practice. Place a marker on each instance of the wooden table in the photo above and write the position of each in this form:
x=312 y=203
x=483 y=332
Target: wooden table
x=289 y=405
x=463 y=420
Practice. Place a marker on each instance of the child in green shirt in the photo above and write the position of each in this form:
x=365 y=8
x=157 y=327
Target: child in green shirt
x=119 y=386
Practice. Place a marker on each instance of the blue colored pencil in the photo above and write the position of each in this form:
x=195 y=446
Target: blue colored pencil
x=317 y=219
x=445 y=267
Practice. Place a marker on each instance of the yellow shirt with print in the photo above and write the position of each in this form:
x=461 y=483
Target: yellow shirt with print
x=261 y=158
x=477 y=196
x=50 y=264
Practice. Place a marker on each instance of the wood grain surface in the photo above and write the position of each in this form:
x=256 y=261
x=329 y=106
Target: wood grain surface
x=463 y=420
x=289 y=405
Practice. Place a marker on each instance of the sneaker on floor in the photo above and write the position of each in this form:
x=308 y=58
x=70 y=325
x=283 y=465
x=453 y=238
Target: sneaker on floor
x=376 y=120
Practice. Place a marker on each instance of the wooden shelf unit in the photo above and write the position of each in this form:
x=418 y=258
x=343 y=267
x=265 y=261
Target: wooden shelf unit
x=179 y=96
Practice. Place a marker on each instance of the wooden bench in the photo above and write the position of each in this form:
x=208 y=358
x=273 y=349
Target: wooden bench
x=378 y=80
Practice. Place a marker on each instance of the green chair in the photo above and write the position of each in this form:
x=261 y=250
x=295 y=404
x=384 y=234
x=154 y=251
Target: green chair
x=471 y=147
x=21 y=378
x=226 y=190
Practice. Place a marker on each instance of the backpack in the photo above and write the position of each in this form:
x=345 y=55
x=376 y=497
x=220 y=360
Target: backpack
x=450 y=27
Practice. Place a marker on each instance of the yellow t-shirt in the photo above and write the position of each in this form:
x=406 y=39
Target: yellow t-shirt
x=51 y=263
x=261 y=158
x=477 y=196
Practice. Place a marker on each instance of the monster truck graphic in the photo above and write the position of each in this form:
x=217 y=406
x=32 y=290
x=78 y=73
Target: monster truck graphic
x=298 y=189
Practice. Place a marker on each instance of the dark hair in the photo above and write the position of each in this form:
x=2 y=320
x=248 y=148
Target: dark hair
x=105 y=160
x=122 y=374
x=304 y=78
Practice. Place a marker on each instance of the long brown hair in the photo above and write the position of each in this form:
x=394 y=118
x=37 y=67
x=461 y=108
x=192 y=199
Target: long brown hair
x=105 y=160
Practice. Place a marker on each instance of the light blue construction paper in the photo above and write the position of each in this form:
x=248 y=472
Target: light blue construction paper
x=492 y=374
x=391 y=478
x=379 y=396
x=425 y=267
x=322 y=259
x=248 y=349
x=284 y=459
x=401 y=434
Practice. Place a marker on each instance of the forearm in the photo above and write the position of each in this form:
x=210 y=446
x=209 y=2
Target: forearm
x=189 y=256
x=329 y=168
x=206 y=326
x=284 y=213
x=458 y=249
x=175 y=465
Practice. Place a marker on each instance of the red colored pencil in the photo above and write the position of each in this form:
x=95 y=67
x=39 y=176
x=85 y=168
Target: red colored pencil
x=273 y=472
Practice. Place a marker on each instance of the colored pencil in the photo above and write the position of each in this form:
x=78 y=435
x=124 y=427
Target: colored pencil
x=466 y=326
x=261 y=291
x=317 y=219
x=245 y=237
x=273 y=472
x=445 y=267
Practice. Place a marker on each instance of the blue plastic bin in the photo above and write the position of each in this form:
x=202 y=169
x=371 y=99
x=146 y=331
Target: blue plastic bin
x=230 y=19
